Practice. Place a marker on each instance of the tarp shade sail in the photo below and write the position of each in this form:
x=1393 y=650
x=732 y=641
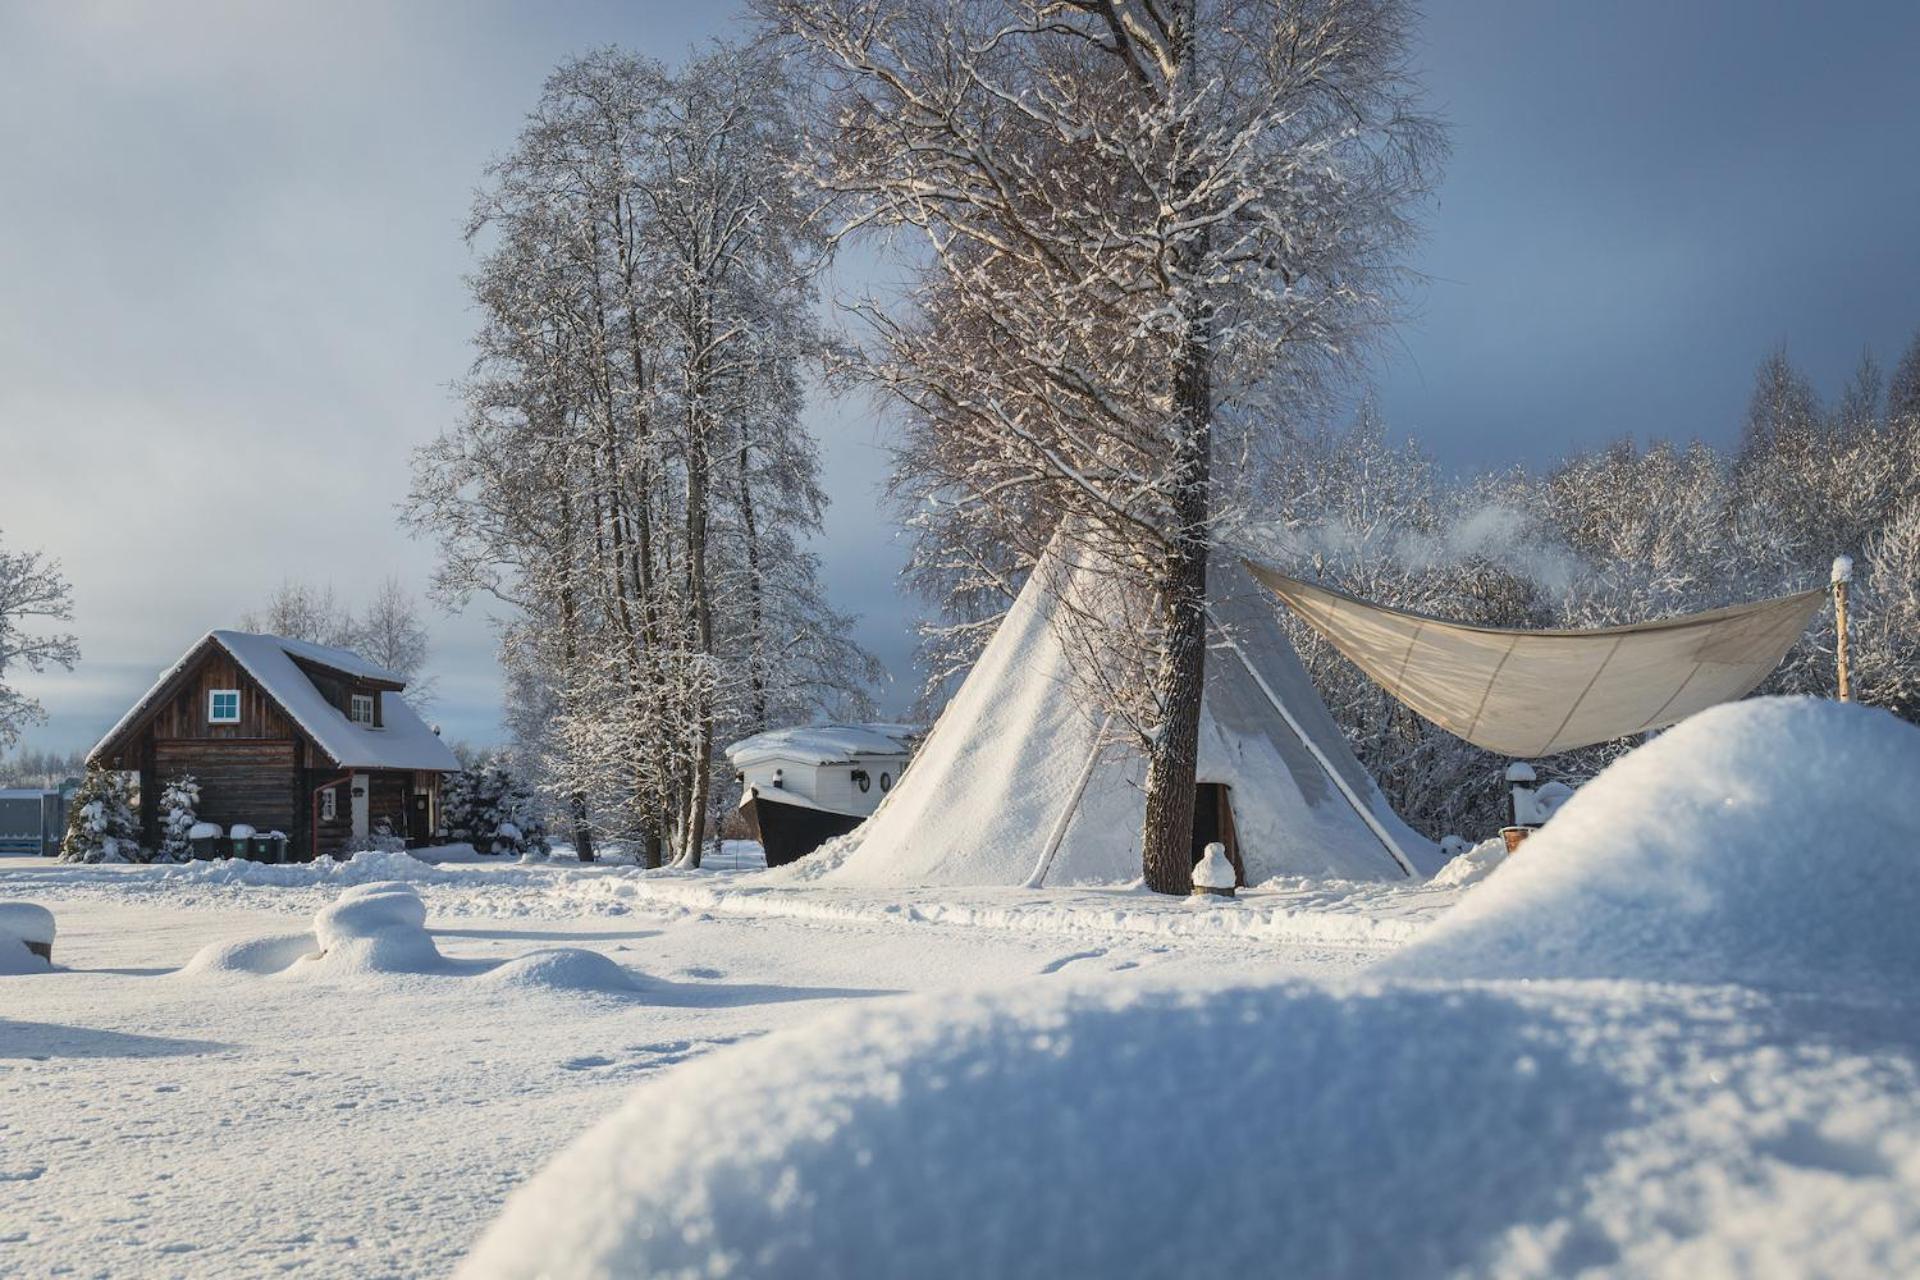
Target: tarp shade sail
x=1532 y=693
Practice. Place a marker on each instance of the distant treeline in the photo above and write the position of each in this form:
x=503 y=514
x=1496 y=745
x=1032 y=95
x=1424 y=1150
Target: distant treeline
x=1620 y=534
x=41 y=768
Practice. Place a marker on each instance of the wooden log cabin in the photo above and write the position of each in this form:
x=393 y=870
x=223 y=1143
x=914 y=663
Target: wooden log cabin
x=284 y=736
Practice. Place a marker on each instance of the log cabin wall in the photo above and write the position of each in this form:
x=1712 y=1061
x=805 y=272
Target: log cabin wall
x=240 y=781
x=330 y=836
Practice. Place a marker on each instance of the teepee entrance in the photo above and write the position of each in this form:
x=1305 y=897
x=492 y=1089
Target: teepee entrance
x=1213 y=820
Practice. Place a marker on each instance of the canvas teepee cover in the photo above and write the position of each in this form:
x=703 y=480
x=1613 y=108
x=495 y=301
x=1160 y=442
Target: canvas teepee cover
x=1014 y=785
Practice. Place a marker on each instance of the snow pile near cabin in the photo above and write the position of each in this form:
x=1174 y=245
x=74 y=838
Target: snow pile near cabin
x=376 y=928
x=380 y=929
x=22 y=923
x=1772 y=843
x=368 y=866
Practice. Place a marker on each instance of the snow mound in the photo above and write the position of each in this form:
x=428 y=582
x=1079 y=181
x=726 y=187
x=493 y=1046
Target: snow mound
x=22 y=923
x=562 y=969
x=376 y=928
x=1773 y=843
x=1471 y=865
x=1274 y=1130
x=272 y=954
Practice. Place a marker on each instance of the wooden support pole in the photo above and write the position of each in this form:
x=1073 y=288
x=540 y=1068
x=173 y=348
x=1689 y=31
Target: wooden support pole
x=1842 y=576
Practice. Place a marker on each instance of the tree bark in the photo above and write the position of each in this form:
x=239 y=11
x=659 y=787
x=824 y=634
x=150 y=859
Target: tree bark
x=1173 y=757
x=1166 y=839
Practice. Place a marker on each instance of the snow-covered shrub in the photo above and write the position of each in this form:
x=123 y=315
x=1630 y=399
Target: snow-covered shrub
x=384 y=839
x=493 y=810
x=179 y=803
x=100 y=821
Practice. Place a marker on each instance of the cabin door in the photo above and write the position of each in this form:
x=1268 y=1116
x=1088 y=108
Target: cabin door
x=420 y=818
x=361 y=804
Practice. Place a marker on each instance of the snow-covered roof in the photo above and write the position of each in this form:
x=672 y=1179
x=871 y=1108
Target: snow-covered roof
x=824 y=743
x=403 y=741
x=345 y=661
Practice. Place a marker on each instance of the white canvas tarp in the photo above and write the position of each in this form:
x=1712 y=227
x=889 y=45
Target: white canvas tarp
x=1532 y=693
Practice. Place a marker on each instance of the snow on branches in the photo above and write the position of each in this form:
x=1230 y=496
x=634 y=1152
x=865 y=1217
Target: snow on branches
x=631 y=472
x=1150 y=233
x=32 y=593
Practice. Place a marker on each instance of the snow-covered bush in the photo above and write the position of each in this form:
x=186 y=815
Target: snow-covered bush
x=179 y=804
x=385 y=839
x=100 y=820
x=493 y=810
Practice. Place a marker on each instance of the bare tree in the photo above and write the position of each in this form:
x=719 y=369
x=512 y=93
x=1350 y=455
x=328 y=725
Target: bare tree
x=33 y=593
x=1152 y=229
x=391 y=632
x=631 y=474
x=302 y=611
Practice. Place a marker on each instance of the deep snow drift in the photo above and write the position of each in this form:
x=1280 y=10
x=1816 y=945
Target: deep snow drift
x=1363 y=1127
x=1774 y=843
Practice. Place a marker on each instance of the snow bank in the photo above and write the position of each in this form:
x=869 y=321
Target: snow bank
x=1774 y=842
x=1471 y=865
x=1288 y=1129
x=368 y=866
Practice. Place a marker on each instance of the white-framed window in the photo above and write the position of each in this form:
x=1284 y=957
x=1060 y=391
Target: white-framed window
x=361 y=708
x=327 y=802
x=223 y=706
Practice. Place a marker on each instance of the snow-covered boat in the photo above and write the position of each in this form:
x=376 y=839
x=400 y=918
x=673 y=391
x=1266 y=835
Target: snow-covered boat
x=801 y=787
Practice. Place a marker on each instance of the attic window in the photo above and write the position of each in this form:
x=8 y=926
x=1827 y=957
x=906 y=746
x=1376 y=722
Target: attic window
x=223 y=706
x=361 y=711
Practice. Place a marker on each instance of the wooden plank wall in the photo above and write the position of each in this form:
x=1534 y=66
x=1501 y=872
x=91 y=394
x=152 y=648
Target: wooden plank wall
x=185 y=715
x=251 y=782
x=389 y=800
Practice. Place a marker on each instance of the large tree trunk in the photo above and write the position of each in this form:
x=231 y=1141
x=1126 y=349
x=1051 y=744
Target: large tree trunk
x=1166 y=840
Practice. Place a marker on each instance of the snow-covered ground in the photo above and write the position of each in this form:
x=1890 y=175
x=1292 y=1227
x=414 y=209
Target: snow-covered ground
x=222 y=1122
x=1677 y=1035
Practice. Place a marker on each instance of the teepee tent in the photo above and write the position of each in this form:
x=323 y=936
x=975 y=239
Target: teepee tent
x=1018 y=782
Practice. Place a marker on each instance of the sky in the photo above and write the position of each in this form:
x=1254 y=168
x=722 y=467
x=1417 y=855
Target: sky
x=231 y=261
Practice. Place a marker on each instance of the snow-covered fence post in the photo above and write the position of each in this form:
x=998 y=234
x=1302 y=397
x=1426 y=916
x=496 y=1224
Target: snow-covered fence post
x=1842 y=576
x=1213 y=874
x=1522 y=816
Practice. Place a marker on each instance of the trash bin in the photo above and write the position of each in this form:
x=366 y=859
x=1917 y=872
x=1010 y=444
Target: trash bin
x=275 y=849
x=205 y=840
x=240 y=836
